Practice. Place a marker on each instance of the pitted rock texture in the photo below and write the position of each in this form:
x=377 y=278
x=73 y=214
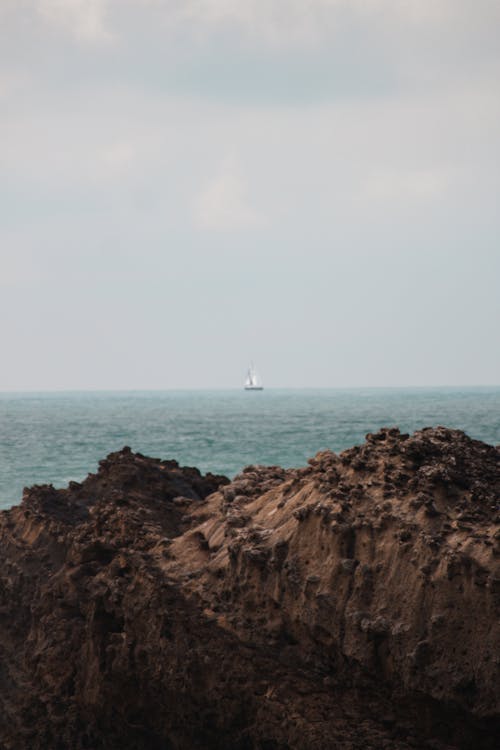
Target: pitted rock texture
x=352 y=603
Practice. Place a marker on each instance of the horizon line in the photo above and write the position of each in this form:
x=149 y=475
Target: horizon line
x=191 y=389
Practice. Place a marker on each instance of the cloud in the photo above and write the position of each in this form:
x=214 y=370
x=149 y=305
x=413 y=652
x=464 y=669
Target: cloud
x=288 y=22
x=117 y=158
x=11 y=82
x=19 y=266
x=84 y=19
x=223 y=204
x=415 y=186
x=291 y=13
x=272 y=23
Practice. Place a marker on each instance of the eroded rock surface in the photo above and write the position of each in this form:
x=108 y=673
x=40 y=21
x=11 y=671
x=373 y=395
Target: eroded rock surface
x=353 y=603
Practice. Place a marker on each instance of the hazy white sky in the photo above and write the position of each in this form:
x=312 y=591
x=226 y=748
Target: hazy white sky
x=190 y=184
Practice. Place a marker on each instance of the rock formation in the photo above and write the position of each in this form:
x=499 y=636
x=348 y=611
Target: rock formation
x=353 y=603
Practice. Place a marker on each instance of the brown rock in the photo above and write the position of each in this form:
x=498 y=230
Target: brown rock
x=153 y=607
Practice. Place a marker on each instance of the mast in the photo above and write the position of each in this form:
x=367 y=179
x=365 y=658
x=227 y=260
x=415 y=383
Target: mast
x=252 y=382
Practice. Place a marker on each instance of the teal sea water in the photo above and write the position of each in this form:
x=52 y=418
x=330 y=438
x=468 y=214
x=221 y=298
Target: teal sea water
x=57 y=437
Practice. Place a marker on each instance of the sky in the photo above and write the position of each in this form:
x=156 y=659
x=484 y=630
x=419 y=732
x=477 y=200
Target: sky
x=188 y=185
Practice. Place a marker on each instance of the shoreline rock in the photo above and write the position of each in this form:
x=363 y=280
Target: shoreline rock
x=352 y=603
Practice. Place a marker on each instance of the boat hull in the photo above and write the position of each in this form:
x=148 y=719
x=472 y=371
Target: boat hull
x=254 y=388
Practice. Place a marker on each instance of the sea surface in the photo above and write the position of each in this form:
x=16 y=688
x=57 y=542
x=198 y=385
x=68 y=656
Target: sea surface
x=56 y=437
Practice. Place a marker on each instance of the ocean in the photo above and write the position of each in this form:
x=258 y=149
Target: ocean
x=57 y=437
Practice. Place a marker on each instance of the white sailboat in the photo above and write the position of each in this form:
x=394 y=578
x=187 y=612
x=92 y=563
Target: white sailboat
x=253 y=380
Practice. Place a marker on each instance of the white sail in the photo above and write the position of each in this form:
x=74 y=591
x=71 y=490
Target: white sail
x=253 y=380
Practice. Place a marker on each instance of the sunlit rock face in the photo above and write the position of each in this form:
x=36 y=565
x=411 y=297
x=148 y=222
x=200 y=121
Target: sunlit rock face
x=352 y=603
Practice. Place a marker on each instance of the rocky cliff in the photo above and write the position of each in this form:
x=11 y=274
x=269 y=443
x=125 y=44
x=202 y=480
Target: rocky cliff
x=353 y=603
